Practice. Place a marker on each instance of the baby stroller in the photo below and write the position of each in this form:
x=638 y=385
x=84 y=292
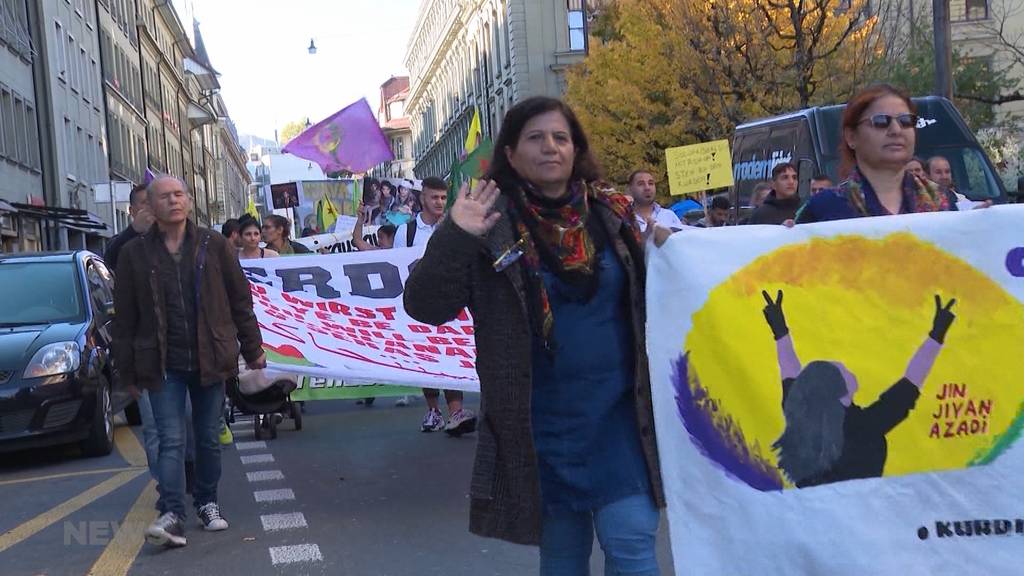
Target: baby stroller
x=266 y=395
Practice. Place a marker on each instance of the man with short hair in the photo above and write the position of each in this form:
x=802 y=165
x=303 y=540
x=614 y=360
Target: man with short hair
x=417 y=232
x=759 y=193
x=820 y=182
x=142 y=219
x=231 y=229
x=940 y=172
x=183 y=306
x=718 y=214
x=783 y=201
x=643 y=189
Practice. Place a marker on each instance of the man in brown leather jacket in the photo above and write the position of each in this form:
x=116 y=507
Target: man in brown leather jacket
x=184 y=312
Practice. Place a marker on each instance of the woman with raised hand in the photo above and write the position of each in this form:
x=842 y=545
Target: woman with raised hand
x=551 y=267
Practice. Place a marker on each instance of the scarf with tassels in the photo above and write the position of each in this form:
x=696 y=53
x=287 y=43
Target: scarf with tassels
x=560 y=236
x=919 y=195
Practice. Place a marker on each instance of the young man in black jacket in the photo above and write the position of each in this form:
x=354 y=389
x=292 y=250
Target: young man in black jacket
x=783 y=201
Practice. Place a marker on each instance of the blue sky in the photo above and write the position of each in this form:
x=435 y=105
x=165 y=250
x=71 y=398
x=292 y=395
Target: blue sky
x=267 y=76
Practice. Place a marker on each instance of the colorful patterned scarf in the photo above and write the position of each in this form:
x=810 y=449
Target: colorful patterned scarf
x=558 y=235
x=919 y=194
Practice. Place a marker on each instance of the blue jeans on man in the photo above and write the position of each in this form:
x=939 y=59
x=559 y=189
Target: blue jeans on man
x=169 y=414
x=626 y=529
x=150 y=439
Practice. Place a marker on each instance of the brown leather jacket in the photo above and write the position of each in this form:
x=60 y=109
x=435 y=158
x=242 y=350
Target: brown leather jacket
x=225 y=319
x=457 y=271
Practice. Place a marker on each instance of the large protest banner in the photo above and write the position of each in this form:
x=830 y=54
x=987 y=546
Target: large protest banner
x=843 y=398
x=340 y=316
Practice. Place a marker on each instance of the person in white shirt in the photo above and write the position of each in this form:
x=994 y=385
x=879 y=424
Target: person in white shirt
x=642 y=187
x=416 y=232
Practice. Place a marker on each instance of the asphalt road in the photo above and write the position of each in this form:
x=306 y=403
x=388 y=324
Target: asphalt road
x=358 y=491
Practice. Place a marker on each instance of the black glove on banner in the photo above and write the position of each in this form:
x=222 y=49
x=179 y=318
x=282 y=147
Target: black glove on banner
x=944 y=318
x=774 y=315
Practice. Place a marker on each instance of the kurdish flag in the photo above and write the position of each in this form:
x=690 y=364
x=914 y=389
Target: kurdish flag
x=475 y=159
x=348 y=141
x=326 y=214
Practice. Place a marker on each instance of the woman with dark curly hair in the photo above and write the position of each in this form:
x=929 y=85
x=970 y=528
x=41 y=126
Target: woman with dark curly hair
x=550 y=263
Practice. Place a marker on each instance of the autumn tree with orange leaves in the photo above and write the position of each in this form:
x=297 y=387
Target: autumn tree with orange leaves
x=665 y=73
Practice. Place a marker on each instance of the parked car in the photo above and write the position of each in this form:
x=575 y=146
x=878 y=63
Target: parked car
x=57 y=382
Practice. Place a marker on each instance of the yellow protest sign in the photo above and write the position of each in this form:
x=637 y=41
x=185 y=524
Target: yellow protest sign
x=699 y=167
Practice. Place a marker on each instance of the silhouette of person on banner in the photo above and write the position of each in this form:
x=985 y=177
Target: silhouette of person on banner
x=828 y=438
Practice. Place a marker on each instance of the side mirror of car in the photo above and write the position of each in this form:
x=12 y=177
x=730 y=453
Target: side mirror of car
x=1018 y=195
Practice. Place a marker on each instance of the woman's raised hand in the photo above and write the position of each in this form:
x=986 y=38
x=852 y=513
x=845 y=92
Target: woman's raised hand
x=775 y=316
x=472 y=209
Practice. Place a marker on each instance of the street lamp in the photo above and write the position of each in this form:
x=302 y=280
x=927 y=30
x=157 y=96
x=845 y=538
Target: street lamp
x=312 y=46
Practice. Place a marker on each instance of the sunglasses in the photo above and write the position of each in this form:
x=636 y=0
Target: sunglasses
x=883 y=121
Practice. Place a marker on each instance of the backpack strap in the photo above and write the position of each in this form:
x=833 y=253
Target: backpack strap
x=410 y=233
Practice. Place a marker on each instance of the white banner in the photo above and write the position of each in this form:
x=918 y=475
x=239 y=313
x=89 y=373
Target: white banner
x=340 y=316
x=340 y=241
x=906 y=449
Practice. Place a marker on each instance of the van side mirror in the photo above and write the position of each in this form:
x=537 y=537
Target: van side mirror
x=1019 y=193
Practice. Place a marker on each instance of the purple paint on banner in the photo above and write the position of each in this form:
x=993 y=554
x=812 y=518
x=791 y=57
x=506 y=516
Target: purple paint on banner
x=716 y=435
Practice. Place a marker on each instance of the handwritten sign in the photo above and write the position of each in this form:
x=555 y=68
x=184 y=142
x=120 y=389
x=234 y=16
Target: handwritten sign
x=699 y=167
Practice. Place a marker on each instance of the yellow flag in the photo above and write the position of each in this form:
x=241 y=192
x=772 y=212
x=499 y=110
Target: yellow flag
x=326 y=214
x=475 y=135
x=251 y=208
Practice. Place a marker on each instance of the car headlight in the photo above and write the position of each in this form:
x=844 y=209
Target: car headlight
x=54 y=359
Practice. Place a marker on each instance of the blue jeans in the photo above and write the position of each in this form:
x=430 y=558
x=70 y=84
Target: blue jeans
x=169 y=414
x=626 y=530
x=150 y=440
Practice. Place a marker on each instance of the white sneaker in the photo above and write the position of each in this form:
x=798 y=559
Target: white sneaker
x=461 y=422
x=168 y=530
x=402 y=401
x=209 y=515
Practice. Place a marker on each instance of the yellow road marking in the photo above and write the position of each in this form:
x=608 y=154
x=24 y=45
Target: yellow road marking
x=129 y=446
x=61 y=511
x=118 y=556
x=70 y=475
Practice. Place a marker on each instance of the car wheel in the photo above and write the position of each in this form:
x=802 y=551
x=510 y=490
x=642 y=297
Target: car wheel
x=297 y=415
x=100 y=441
x=132 y=414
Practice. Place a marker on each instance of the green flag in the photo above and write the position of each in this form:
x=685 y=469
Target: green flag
x=477 y=162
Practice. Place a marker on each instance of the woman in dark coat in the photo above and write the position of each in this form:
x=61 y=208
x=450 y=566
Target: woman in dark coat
x=552 y=269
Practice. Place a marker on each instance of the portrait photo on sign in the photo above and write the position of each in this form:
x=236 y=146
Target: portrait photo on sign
x=284 y=195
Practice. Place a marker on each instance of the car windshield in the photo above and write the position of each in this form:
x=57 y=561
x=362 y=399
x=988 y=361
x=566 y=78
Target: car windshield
x=38 y=293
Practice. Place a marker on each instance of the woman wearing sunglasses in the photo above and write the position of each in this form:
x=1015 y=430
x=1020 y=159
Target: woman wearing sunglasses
x=878 y=138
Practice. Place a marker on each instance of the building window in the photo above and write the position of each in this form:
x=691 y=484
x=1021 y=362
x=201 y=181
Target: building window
x=20 y=132
x=508 y=32
x=6 y=124
x=69 y=149
x=968 y=10
x=62 y=64
x=72 y=56
x=33 y=137
x=577 y=25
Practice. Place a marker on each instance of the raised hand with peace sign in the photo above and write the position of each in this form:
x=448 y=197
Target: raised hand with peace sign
x=944 y=318
x=774 y=315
